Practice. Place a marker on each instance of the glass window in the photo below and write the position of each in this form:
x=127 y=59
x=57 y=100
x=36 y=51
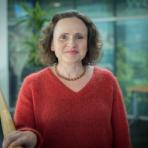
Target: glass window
x=124 y=37
x=17 y=52
x=106 y=30
x=95 y=8
x=132 y=34
x=132 y=51
x=132 y=7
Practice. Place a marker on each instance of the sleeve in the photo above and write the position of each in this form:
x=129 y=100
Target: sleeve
x=24 y=117
x=121 y=135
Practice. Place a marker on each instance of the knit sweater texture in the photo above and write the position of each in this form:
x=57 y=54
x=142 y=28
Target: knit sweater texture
x=93 y=117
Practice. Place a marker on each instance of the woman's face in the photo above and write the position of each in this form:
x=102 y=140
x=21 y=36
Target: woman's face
x=70 y=40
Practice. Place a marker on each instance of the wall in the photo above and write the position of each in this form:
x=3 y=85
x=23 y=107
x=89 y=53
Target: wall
x=4 y=74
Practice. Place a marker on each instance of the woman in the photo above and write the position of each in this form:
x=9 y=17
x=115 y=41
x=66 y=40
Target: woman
x=71 y=104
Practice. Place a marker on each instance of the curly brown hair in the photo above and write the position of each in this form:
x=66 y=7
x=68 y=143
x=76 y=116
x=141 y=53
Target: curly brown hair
x=94 y=42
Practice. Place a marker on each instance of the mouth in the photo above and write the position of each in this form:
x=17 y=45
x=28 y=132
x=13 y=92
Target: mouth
x=72 y=52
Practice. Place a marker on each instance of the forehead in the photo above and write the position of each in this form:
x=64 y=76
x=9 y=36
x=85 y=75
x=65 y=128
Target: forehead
x=70 y=25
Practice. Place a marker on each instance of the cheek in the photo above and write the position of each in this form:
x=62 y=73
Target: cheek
x=85 y=43
x=84 y=46
x=58 y=48
x=84 y=51
x=58 y=45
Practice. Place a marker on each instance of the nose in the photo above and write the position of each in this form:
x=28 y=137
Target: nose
x=71 y=42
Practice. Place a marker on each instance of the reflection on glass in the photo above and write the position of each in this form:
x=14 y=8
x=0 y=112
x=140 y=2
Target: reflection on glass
x=95 y=8
x=132 y=7
x=133 y=35
x=107 y=34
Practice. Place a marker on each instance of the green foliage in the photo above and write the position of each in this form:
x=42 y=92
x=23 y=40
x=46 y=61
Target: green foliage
x=32 y=45
x=34 y=19
x=124 y=73
x=139 y=61
x=131 y=71
x=33 y=22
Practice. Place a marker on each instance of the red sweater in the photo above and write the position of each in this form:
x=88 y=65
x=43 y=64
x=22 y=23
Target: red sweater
x=93 y=117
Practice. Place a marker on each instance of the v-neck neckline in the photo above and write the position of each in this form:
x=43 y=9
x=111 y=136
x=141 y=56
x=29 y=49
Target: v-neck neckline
x=83 y=89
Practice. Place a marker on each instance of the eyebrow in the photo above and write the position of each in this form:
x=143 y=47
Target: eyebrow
x=74 y=33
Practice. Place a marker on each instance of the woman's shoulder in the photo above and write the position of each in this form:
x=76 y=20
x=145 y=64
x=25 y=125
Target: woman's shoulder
x=104 y=74
x=103 y=71
x=38 y=75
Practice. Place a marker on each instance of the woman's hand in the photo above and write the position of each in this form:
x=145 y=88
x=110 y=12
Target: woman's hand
x=27 y=139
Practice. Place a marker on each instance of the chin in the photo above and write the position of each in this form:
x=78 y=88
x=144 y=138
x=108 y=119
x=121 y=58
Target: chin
x=72 y=61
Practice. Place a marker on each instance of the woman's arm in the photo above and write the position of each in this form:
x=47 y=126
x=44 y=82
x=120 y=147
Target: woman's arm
x=121 y=135
x=24 y=119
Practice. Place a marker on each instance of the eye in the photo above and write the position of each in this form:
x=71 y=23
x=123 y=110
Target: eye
x=63 y=37
x=79 y=36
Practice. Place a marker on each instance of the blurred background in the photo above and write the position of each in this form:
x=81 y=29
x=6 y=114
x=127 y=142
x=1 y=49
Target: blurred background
x=123 y=25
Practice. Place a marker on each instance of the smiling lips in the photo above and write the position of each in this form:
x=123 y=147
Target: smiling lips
x=72 y=51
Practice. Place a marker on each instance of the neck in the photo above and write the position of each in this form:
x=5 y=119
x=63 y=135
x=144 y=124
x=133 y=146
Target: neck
x=70 y=70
